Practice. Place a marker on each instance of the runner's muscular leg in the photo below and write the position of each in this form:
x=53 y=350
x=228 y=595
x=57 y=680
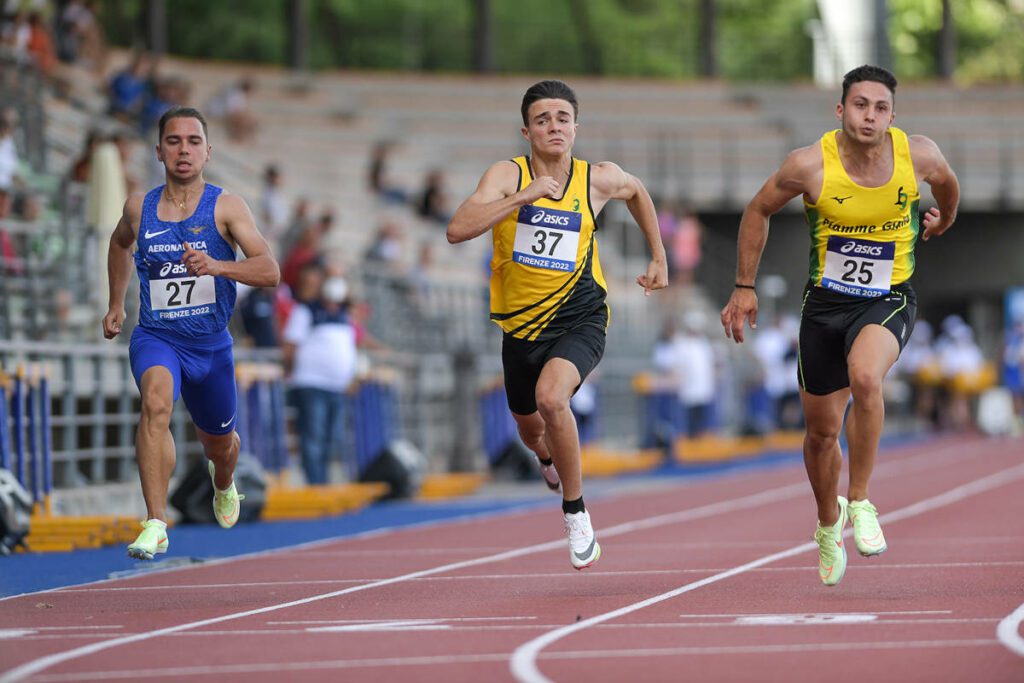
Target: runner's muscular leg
x=873 y=352
x=531 y=431
x=822 y=455
x=557 y=381
x=154 y=444
x=222 y=451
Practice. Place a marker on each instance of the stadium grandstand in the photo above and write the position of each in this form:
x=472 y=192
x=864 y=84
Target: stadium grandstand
x=356 y=165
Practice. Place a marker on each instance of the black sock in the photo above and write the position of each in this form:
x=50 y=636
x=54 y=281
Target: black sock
x=570 y=507
x=545 y=461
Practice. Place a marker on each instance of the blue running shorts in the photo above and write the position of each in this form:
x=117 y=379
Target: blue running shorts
x=203 y=369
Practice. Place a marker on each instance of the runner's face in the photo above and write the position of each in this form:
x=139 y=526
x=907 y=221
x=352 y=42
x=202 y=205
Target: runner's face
x=867 y=113
x=183 y=148
x=552 y=126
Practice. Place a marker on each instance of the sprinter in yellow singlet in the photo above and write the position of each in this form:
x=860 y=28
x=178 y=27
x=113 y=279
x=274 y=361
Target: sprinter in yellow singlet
x=860 y=192
x=547 y=290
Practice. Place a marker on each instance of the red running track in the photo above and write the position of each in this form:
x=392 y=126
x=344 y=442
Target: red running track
x=712 y=580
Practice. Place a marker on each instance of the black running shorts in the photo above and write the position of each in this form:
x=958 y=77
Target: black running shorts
x=523 y=360
x=829 y=324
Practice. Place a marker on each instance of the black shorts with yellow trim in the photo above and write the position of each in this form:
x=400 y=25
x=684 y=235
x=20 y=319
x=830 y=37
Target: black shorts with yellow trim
x=830 y=322
x=582 y=345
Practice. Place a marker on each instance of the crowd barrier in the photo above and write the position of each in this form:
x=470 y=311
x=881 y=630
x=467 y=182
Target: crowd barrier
x=25 y=443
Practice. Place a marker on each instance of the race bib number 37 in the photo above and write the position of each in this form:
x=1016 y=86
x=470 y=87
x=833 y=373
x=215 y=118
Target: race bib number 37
x=174 y=293
x=547 y=238
x=858 y=267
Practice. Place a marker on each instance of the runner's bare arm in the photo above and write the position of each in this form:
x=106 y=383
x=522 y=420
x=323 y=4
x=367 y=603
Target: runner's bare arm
x=259 y=267
x=794 y=177
x=495 y=196
x=119 y=264
x=609 y=181
x=931 y=167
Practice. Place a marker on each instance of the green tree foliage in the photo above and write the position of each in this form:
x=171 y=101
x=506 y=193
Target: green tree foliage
x=756 y=39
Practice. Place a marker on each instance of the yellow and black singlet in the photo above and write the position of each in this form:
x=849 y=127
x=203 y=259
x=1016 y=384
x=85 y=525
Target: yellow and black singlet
x=545 y=274
x=862 y=238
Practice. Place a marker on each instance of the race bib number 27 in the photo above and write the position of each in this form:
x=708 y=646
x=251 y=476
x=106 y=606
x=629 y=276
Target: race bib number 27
x=858 y=267
x=547 y=238
x=173 y=289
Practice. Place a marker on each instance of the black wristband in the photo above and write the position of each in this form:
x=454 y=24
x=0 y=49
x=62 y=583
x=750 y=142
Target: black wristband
x=745 y=286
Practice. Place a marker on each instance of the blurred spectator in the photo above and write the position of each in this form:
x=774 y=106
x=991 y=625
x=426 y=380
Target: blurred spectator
x=320 y=354
x=80 y=168
x=421 y=274
x=776 y=347
x=685 y=252
x=40 y=44
x=379 y=180
x=273 y=206
x=15 y=36
x=919 y=365
x=80 y=36
x=9 y=162
x=960 y=361
x=130 y=87
x=386 y=247
x=164 y=92
x=433 y=203
x=688 y=358
x=233 y=106
x=1013 y=364
x=297 y=224
x=256 y=306
x=584 y=407
x=308 y=249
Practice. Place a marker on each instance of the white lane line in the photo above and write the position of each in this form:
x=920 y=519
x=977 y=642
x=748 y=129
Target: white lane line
x=1008 y=631
x=924 y=460
x=443 y=660
x=524 y=660
x=583 y=576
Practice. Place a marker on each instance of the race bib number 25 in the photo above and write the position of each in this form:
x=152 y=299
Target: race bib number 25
x=858 y=267
x=547 y=238
x=172 y=288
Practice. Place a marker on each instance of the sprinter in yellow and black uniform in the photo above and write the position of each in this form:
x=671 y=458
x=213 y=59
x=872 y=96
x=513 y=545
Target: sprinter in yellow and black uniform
x=860 y=191
x=547 y=290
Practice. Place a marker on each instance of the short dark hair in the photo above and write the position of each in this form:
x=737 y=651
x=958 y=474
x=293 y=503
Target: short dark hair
x=868 y=72
x=181 y=113
x=549 y=90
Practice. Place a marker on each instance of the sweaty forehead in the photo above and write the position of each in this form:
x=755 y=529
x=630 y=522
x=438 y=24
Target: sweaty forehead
x=549 y=106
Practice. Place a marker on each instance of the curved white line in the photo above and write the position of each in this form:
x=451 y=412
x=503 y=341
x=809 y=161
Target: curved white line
x=524 y=660
x=1008 y=631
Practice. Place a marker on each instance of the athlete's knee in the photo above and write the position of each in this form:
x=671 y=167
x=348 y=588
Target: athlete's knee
x=156 y=408
x=551 y=404
x=532 y=436
x=820 y=437
x=865 y=384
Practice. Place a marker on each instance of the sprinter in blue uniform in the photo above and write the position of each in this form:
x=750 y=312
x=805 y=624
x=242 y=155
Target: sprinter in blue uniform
x=183 y=235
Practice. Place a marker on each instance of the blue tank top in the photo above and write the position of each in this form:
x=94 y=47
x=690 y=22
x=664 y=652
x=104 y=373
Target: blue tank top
x=171 y=299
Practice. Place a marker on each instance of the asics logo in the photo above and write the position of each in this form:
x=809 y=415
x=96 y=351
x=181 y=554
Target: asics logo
x=151 y=235
x=853 y=247
x=173 y=268
x=549 y=219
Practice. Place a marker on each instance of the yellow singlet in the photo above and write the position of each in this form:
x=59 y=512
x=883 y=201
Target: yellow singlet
x=545 y=274
x=862 y=238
